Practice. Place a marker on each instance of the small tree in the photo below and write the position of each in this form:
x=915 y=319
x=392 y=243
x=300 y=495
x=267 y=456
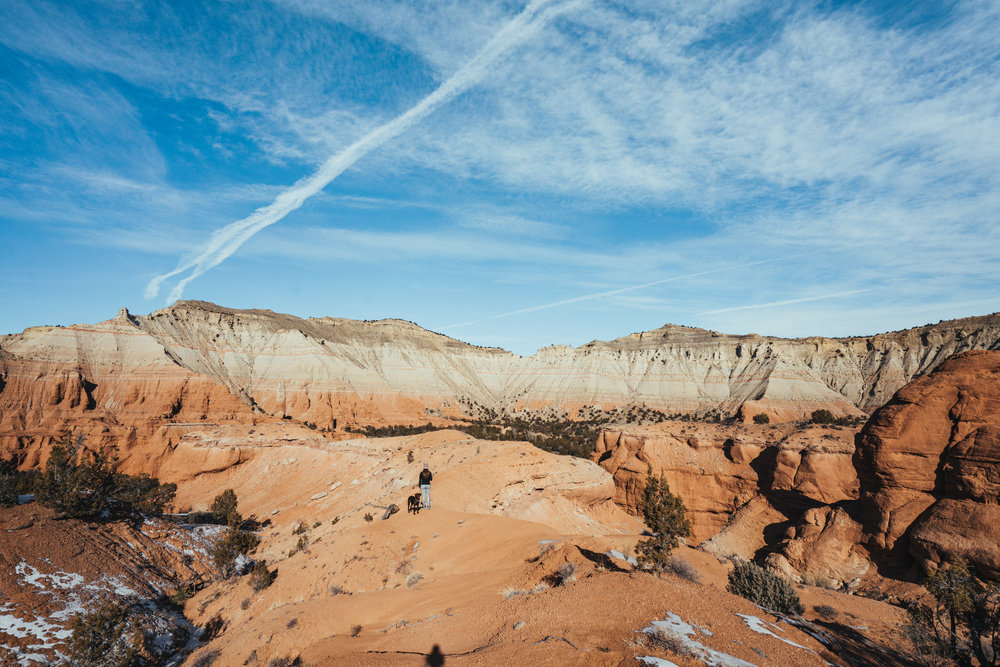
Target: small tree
x=822 y=417
x=764 y=588
x=260 y=576
x=964 y=620
x=79 y=482
x=144 y=494
x=666 y=517
x=235 y=541
x=105 y=635
x=76 y=482
x=9 y=482
x=224 y=508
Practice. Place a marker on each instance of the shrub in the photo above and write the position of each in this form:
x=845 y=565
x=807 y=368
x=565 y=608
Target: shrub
x=104 y=635
x=231 y=545
x=8 y=486
x=414 y=579
x=205 y=659
x=356 y=630
x=566 y=574
x=178 y=597
x=683 y=569
x=826 y=612
x=764 y=588
x=144 y=494
x=822 y=417
x=14 y=482
x=761 y=418
x=666 y=517
x=671 y=642
x=260 y=576
x=299 y=546
x=369 y=517
x=224 y=508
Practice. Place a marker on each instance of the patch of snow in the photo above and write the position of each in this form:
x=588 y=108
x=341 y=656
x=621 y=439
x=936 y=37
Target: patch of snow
x=673 y=624
x=120 y=588
x=656 y=662
x=335 y=485
x=764 y=628
x=62 y=580
x=547 y=541
x=620 y=556
x=38 y=629
x=317 y=496
x=354 y=482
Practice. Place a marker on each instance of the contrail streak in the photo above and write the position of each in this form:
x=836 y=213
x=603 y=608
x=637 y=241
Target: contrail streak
x=599 y=295
x=225 y=241
x=784 y=303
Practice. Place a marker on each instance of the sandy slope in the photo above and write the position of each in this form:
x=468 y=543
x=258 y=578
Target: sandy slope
x=475 y=575
x=460 y=575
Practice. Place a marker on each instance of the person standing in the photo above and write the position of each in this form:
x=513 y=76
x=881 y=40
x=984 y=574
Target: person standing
x=424 y=482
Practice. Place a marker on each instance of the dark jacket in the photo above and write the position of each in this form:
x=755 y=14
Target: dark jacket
x=425 y=477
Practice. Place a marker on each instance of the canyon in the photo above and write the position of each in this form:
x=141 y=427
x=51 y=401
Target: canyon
x=269 y=405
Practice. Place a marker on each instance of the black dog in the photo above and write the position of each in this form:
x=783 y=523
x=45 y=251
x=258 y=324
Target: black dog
x=413 y=503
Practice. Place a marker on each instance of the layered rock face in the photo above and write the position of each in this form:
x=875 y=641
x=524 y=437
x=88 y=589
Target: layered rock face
x=919 y=484
x=929 y=467
x=718 y=470
x=112 y=381
x=122 y=379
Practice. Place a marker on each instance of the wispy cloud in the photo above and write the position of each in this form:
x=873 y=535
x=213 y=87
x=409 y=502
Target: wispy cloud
x=224 y=242
x=786 y=302
x=621 y=143
x=613 y=292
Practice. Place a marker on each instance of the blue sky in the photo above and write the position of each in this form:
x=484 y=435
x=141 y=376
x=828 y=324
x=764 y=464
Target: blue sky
x=508 y=174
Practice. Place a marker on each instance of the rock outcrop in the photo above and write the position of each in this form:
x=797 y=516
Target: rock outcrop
x=718 y=469
x=929 y=467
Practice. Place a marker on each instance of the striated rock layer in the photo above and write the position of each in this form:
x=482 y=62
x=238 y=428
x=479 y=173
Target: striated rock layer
x=123 y=379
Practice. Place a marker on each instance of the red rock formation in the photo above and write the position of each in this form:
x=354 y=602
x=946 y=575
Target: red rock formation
x=718 y=468
x=929 y=466
x=111 y=381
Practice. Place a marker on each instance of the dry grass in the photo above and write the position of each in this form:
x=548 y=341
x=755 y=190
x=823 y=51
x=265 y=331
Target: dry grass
x=683 y=569
x=670 y=642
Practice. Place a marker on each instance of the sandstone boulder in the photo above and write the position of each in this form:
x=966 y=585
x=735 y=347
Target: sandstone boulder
x=929 y=464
